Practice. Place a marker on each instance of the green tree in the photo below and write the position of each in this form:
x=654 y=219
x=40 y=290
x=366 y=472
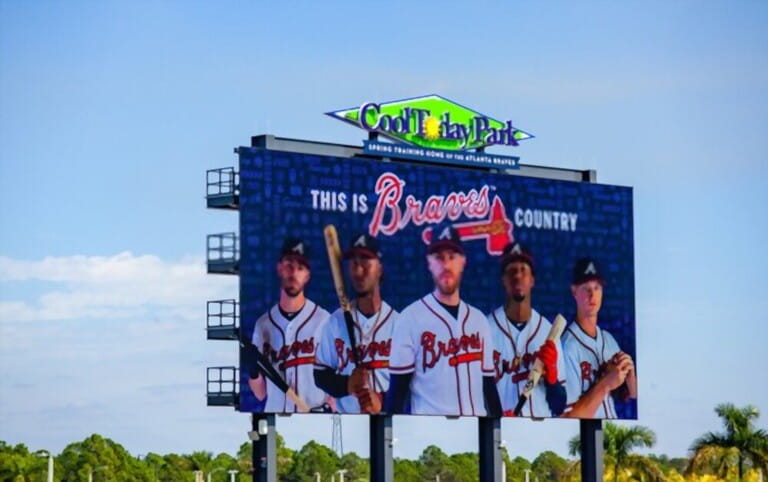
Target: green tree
x=313 y=457
x=356 y=466
x=105 y=459
x=407 y=470
x=618 y=442
x=176 y=467
x=516 y=468
x=549 y=466
x=18 y=464
x=434 y=462
x=740 y=444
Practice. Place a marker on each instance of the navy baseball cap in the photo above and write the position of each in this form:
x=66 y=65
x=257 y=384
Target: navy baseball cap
x=297 y=249
x=587 y=269
x=516 y=252
x=445 y=237
x=363 y=245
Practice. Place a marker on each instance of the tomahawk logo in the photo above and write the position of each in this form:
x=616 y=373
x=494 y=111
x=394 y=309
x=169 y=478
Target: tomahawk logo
x=590 y=269
x=299 y=248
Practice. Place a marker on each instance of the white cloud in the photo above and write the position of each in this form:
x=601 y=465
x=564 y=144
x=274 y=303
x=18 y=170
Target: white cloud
x=120 y=286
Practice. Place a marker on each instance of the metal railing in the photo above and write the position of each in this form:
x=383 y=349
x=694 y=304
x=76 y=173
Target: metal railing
x=224 y=181
x=222 y=314
x=221 y=385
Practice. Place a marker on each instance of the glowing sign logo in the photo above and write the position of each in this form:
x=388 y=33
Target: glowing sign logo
x=434 y=122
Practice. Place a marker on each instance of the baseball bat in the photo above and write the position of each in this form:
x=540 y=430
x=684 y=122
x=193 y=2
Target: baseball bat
x=264 y=365
x=538 y=366
x=334 y=258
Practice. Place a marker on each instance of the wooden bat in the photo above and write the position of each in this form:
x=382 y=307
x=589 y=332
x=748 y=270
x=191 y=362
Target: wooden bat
x=255 y=356
x=538 y=366
x=334 y=259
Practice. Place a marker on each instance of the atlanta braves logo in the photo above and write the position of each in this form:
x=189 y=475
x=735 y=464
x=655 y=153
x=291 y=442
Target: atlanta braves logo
x=433 y=350
x=517 y=367
x=389 y=187
x=286 y=352
x=389 y=216
x=365 y=353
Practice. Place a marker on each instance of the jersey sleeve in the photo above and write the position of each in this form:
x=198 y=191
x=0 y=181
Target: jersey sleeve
x=403 y=356
x=572 y=372
x=326 y=356
x=488 y=346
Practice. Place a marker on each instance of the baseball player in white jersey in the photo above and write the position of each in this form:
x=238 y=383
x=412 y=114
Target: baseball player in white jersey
x=598 y=370
x=335 y=370
x=286 y=335
x=441 y=361
x=520 y=336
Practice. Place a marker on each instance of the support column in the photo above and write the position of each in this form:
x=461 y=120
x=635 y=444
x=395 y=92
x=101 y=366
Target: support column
x=489 y=443
x=380 y=440
x=591 y=432
x=264 y=453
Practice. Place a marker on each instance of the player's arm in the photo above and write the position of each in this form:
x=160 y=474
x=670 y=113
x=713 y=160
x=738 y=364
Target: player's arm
x=587 y=405
x=256 y=381
x=631 y=380
x=399 y=394
x=549 y=353
x=331 y=382
x=491 y=397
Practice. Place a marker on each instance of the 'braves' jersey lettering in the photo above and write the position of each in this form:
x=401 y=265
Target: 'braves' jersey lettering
x=374 y=344
x=448 y=357
x=513 y=356
x=290 y=345
x=472 y=345
x=585 y=355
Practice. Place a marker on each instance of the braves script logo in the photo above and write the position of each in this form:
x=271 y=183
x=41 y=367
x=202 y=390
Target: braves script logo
x=506 y=367
x=433 y=350
x=364 y=352
x=290 y=355
x=389 y=216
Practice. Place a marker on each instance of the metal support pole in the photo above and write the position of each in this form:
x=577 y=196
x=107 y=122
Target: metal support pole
x=591 y=450
x=380 y=440
x=489 y=442
x=264 y=453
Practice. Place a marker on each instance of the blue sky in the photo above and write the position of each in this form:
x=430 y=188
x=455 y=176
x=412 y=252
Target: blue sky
x=110 y=113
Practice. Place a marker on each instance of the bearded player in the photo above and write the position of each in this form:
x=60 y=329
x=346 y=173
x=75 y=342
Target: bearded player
x=286 y=335
x=358 y=388
x=441 y=362
x=598 y=371
x=520 y=336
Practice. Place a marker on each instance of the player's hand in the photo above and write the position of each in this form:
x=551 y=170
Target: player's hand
x=614 y=373
x=358 y=381
x=548 y=356
x=370 y=401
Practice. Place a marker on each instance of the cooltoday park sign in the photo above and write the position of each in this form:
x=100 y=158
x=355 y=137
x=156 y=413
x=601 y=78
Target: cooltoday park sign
x=434 y=129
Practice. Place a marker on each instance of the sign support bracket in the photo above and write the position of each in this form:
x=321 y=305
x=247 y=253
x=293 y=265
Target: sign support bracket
x=380 y=442
x=489 y=444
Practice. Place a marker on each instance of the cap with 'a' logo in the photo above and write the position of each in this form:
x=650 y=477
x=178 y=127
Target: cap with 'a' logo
x=587 y=269
x=445 y=237
x=295 y=248
x=516 y=252
x=363 y=245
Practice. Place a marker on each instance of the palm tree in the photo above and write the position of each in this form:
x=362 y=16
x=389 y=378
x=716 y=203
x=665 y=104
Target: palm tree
x=619 y=442
x=740 y=443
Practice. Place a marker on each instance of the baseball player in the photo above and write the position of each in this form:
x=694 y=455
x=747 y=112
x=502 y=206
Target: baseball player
x=286 y=334
x=335 y=370
x=441 y=361
x=520 y=336
x=598 y=370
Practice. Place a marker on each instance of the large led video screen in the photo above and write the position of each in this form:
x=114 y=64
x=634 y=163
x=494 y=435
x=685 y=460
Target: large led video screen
x=470 y=293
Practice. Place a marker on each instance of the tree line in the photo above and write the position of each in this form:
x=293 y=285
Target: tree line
x=739 y=453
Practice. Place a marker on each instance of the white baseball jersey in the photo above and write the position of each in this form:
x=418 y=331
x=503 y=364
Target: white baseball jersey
x=374 y=342
x=290 y=345
x=513 y=356
x=448 y=357
x=584 y=356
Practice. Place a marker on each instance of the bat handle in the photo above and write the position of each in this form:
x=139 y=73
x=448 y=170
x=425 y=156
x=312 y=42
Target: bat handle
x=300 y=405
